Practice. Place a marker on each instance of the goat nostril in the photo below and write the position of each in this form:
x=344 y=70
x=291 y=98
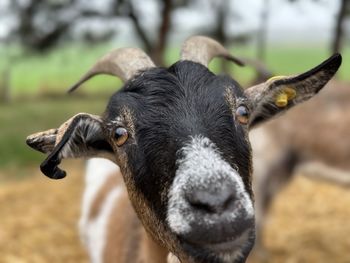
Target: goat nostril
x=203 y=207
x=230 y=200
x=213 y=202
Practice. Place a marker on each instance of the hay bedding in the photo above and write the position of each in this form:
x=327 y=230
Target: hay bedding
x=38 y=221
x=310 y=222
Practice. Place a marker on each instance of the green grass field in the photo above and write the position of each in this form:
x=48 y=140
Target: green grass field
x=53 y=72
x=21 y=118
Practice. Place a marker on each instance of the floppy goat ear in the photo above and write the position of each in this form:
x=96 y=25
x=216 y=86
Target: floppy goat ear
x=278 y=94
x=80 y=136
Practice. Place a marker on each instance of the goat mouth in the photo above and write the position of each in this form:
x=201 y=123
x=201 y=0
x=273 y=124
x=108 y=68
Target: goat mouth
x=232 y=250
x=230 y=245
x=226 y=246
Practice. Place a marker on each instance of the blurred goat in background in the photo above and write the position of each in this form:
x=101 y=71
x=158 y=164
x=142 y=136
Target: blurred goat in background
x=310 y=140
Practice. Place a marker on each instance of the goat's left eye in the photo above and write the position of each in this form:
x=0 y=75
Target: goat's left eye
x=121 y=136
x=242 y=114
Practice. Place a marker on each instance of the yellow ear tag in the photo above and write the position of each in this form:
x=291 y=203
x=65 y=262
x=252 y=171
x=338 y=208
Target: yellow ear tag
x=281 y=100
x=284 y=96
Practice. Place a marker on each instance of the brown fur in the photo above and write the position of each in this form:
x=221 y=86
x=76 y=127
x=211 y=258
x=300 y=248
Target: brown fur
x=318 y=129
x=111 y=183
x=127 y=240
x=230 y=99
x=154 y=229
x=314 y=132
x=122 y=233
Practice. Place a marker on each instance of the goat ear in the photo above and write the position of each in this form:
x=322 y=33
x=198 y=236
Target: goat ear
x=278 y=94
x=43 y=141
x=80 y=136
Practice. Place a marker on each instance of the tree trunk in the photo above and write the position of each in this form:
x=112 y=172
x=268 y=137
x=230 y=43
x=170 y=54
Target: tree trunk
x=140 y=31
x=163 y=32
x=220 y=33
x=156 y=51
x=339 y=30
x=262 y=33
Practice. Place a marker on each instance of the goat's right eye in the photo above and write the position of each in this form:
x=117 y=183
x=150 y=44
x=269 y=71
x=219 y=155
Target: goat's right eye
x=121 y=136
x=242 y=114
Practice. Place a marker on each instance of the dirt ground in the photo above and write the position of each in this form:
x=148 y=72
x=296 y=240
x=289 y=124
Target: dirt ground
x=39 y=218
x=38 y=221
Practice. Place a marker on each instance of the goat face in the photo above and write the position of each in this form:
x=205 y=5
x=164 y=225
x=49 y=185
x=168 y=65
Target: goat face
x=180 y=137
x=187 y=157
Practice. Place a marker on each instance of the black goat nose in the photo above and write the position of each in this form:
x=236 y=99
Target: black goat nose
x=212 y=201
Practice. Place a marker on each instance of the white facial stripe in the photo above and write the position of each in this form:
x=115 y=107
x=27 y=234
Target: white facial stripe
x=200 y=166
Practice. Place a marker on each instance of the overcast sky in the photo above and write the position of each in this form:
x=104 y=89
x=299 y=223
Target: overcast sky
x=303 y=21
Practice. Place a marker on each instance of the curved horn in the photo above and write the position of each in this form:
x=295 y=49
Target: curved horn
x=203 y=49
x=260 y=67
x=123 y=63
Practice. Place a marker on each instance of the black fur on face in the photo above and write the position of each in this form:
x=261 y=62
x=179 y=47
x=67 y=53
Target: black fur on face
x=169 y=106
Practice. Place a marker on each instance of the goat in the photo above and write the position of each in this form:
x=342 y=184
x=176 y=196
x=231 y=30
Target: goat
x=179 y=136
x=313 y=142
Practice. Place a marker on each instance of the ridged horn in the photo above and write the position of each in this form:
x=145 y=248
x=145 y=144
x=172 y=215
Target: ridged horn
x=123 y=63
x=203 y=49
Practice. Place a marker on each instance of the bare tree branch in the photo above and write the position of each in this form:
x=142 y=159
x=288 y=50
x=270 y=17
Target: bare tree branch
x=163 y=32
x=139 y=29
x=262 y=33
x=339 y=28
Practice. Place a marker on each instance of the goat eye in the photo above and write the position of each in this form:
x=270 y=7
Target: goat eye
x=242 y=114
x=121 y=136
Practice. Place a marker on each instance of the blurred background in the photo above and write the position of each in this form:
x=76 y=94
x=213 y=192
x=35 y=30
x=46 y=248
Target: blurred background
x=46 y=45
